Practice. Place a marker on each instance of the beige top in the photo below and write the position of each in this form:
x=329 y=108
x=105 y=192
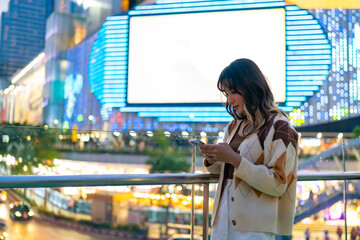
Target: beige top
x=228 y=168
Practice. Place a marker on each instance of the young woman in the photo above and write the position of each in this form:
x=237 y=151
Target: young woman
x=257 y=161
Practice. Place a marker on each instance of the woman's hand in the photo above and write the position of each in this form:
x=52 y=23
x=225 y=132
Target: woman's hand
x=209 y=159
x=220 y=152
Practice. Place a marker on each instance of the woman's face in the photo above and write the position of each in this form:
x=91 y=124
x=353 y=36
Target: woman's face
x=235 y=100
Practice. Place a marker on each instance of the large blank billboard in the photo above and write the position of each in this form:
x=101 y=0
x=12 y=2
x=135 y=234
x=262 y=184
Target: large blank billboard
x=177 y=58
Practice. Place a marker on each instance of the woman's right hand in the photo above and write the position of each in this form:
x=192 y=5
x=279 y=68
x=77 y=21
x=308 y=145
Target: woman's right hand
x=211 y=161
x=209 y=158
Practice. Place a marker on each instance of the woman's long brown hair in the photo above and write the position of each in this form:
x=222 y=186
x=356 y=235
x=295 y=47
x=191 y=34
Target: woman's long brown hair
x=244 y=77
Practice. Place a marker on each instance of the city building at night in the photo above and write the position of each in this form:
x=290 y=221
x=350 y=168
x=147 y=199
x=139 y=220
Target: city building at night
x=314 y=85
x=67 y=27
x=119 y=87
x=22 y=35
x=23 y=101
x=317 y=86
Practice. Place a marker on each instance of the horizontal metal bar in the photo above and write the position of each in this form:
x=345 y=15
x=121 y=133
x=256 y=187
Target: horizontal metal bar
x=325 y=176
x=21 y=181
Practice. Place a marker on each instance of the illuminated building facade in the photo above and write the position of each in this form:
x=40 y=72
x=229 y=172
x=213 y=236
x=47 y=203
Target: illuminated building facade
x=90 y=73
x=22 y=101
x=321 y=63
x=339 y=97
x=22 y=35
x=71 y=23
x=80 y=103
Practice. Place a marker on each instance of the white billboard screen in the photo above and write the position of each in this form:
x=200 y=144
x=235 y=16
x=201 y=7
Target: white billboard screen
x=177 y=58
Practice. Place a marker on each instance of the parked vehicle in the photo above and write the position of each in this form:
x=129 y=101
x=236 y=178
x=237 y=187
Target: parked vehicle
x=3 y=233
x=19 y=210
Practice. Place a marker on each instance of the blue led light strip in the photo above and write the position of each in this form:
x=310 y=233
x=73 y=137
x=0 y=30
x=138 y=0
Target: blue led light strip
x=310 y=73
x=293 y=104
x=307 y=67
x=296 y=12
x=183 y=114
x=308 y=52
x=300 y=22
x=195 y=119
x=304 y=32
x=301 y=93
x=307 y=42
x=163 y=2
x=308 y=57
x=304 y=83
x=176 y=5
x=292 y=8
x=300 y=99
x=302 y=17
x=308 y=62
x=173 y=109
x=286 y=108
x=302 y=37
x=309 y=47
x=303 y=88
x=303 y=27
x=300 y=77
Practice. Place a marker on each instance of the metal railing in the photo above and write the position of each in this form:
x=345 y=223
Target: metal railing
x=20 y=181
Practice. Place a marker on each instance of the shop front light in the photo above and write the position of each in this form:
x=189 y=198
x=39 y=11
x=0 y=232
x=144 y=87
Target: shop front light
x=31 y=213
x=4 y=236
x=319 y=135
x=185 y=134
x=340 y=136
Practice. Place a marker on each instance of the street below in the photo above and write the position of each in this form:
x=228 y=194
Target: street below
x=36 y=229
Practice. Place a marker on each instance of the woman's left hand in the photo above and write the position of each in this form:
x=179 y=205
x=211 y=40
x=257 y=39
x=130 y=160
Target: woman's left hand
x=221 y=152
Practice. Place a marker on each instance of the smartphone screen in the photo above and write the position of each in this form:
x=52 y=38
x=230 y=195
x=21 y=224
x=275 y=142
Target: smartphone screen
x=195 y=142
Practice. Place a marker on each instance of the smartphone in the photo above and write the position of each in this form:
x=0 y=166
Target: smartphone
x=196 y=142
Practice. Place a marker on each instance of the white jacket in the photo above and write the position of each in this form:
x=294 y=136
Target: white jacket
x=265 y=181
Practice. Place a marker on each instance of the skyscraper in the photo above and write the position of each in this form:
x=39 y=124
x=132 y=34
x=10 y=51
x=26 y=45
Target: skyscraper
x=22 y=35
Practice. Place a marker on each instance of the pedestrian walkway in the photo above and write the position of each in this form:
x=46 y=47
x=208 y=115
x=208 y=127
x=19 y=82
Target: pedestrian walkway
x=317 y=231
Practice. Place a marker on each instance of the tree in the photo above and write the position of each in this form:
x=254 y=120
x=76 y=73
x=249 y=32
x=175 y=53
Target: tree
x=356 y=131
x=163 y=158
x=30 y=145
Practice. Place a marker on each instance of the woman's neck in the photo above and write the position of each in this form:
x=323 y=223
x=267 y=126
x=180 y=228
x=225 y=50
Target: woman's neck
x=244 y=125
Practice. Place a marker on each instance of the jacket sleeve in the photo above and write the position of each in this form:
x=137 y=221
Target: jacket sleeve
x=212 y=168
x=280 y=166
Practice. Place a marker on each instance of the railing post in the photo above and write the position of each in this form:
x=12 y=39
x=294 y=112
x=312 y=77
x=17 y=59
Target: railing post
x=46 y=198
x=344 y=189
x=192 y=224
x=205 y=211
